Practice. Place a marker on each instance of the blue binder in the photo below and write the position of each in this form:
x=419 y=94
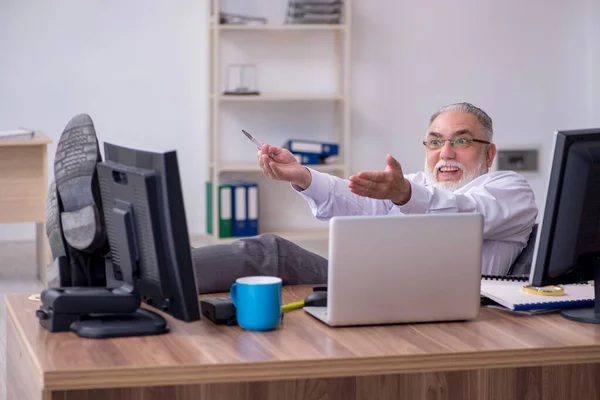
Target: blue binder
x=307 y=158
x=245 y=208
x=323 y=149
x=239 y=211
x=252 y=209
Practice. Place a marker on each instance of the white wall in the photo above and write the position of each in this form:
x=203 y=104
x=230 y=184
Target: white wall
x=139 y=68
x=521 y=61
x=593 y=73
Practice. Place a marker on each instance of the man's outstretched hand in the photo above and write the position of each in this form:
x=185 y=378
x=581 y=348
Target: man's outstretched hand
x=389 y=184
x=280 y=164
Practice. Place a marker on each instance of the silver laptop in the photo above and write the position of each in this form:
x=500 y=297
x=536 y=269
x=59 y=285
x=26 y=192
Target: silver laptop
x=402 y=269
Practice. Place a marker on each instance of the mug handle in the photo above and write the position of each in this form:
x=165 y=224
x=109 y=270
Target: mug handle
x=233 y=293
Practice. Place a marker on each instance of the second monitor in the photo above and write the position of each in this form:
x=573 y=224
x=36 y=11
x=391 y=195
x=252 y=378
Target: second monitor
x=568 y=243
x=147 y=230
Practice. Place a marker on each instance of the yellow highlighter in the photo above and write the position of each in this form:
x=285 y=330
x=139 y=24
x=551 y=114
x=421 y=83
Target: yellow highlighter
x=293 y=306
x=314 y=299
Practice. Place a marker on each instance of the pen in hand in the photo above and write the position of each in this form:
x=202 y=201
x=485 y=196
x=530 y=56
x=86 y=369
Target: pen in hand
x=256 y=142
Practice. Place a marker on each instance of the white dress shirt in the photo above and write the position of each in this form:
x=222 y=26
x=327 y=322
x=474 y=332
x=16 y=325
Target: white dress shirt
x=504 y=198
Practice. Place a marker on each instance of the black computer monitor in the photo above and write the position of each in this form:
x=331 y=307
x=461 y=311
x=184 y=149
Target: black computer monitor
x=568 y=243
x=147 y=230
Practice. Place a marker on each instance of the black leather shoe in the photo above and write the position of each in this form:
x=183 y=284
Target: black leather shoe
x=77 y=155
x=74 y=215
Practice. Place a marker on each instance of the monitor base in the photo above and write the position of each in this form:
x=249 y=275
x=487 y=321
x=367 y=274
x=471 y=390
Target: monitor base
x=587 y=315
x=139 y=323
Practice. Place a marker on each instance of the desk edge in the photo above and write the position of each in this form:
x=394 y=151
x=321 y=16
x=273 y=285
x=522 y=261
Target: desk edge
x=317 y=368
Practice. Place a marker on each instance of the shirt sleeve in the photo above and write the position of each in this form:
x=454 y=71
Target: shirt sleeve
x=504 y=198
x=329 y=196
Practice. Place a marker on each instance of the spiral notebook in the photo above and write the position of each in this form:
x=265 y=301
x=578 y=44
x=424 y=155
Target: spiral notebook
x=507 y=291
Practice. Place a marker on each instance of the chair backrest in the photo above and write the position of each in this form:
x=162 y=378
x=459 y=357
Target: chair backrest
x=522 y=264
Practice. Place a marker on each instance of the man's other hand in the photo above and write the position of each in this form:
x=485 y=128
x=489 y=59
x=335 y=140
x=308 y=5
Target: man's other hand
x=387 y=185
x=280 y=164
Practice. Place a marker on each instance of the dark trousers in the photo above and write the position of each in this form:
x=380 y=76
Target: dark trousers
x=218 y=266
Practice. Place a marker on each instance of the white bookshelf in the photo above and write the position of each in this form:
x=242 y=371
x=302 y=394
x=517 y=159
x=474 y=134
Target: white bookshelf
x=333 y=96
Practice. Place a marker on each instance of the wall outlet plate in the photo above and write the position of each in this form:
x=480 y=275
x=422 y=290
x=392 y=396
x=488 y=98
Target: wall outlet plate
x=524 y=160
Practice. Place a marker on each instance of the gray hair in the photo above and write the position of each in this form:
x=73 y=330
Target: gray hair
x=484 y=120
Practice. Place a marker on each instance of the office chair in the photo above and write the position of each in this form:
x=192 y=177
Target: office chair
x=522 y=264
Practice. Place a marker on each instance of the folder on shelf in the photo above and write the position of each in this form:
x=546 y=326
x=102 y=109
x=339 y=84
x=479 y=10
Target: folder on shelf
x=239 y=202
x=323 y=149
x=307 y=158
x=252 y=209
x=224 y=210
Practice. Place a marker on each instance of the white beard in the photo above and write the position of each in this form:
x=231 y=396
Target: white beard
x=466 y=176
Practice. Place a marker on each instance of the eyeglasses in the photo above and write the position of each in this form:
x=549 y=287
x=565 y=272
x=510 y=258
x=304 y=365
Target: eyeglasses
x=460 y=143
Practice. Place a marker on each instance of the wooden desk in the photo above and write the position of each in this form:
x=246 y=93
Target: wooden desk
x=498 y=356
x=24 y=186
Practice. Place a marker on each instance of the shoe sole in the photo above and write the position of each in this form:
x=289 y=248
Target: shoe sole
x=75 y=162
x=53 y=230
x=57 y=272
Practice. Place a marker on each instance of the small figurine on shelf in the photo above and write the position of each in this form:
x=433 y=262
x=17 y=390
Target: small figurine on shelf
x=241 y=80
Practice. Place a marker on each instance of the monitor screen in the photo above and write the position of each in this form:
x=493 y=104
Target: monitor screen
x=147 y=230
x=568 y=242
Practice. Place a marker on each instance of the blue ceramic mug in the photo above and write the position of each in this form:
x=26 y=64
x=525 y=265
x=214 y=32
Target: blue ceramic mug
x=257 y=300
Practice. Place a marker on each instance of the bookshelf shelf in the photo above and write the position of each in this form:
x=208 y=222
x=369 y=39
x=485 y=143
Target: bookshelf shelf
x=280 y=97
x=278 y=27
x=253 y=167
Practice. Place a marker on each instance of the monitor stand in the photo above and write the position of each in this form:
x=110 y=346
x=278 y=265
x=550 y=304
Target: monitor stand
x=140 y=323
x=95 y=312
x=590 y=315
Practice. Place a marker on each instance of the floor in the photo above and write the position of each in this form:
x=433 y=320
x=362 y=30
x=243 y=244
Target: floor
x=18 y=275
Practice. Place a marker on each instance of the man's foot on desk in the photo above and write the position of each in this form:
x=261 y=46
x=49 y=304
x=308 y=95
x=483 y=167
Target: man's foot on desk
x=69 y=267
x=74 y=215
x=77 y=155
